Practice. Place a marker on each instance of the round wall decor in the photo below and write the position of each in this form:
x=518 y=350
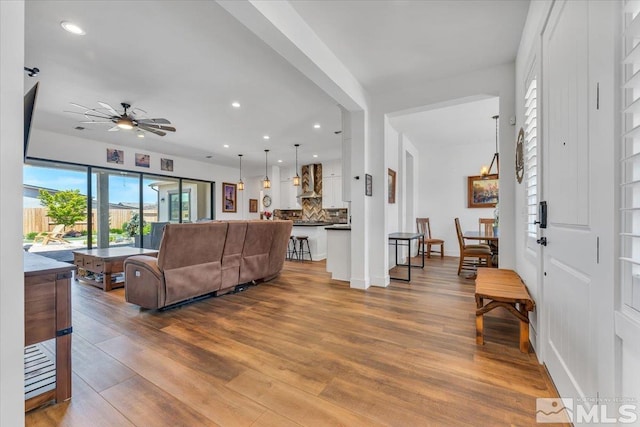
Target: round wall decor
x=520 y=156
x=266 y=201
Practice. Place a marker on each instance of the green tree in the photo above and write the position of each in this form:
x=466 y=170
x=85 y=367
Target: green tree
x=65 y=207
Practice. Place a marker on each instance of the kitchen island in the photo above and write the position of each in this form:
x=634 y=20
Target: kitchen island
x=317 y=236
x=339 y=251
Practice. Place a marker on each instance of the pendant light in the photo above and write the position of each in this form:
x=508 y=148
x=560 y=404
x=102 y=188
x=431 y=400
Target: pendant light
x=296 y=179
x=240 y=183
x=266 y=183
x=485 y=171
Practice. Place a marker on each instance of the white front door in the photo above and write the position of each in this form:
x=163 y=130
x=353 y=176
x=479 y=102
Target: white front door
x=573 y=127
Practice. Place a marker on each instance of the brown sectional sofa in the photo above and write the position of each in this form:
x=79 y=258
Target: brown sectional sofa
x=204 y=258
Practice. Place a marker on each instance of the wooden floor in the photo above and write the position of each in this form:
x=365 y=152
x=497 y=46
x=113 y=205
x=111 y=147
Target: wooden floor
x=300 y=350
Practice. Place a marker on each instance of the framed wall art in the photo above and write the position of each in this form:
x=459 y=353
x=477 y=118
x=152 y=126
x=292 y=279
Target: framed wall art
x=391 y=178
x=166 y=165
x=115 y=156
x=482 y=192
x=143 y=160
x=253 y=205
x=229 y=197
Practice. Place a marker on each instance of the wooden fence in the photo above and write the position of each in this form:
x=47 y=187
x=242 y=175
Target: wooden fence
x=36 y=219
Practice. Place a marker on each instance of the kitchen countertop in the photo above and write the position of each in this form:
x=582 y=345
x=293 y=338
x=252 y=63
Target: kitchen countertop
x=311 y=223
x=339 y=227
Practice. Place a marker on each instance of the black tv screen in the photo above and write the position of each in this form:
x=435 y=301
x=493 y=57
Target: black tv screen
x=29 y=106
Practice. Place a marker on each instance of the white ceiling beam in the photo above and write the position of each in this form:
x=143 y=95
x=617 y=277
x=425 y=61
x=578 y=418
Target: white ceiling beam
x=283 y=29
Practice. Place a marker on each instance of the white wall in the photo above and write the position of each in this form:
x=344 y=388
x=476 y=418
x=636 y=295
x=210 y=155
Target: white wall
x=496 y=81
x=91 y=152
x=11 y=274
x=442 y=196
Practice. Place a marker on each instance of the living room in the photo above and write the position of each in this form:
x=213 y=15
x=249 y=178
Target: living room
x=309 y=64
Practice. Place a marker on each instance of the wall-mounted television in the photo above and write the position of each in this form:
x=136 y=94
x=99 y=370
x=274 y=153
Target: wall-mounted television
x=29 y=106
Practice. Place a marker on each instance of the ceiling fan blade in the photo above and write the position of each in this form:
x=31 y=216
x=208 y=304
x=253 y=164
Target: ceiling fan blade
x=114 y=129
x=87 y=115
x=109 y=108
x=80 y=106
x=136 y=111
x=148 y=129
x=93 y=121
x=158 y=127
x=155 y=121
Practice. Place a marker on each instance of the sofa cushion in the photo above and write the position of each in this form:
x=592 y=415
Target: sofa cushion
x=236 y=234
x=190 y=256
x=255 y=254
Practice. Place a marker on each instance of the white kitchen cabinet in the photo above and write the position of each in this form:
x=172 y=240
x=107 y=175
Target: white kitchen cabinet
x=332 y=193
x=331 y=168
x=288 y=192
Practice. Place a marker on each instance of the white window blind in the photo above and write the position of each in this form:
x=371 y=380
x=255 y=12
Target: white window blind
x=630 y=161
x=531 y=158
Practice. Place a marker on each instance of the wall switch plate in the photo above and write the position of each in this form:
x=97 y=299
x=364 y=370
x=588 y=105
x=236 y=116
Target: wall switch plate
x=512 y=121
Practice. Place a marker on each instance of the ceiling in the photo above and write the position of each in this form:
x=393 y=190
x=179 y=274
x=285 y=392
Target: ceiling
x=462 y=124
x=187 y=61
x=386 y=44
x=184 y=61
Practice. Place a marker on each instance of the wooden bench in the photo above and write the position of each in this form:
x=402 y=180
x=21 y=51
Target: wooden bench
x=503 y=288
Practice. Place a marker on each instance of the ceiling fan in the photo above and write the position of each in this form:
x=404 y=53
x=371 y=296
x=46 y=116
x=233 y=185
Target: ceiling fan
x=127 y=120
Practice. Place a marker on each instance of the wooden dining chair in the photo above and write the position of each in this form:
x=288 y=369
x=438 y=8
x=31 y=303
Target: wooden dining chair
x=471 y=256
x=424 y=227
x=485 y=226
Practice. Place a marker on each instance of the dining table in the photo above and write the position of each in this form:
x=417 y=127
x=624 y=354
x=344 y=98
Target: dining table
x=492 y=239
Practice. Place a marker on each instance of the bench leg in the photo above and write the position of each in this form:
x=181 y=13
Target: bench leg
x=524 y=337
x=479 y=320
x=479 y=329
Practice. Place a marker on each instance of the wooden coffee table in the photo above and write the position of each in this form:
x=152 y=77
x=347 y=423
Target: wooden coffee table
x=100 y=267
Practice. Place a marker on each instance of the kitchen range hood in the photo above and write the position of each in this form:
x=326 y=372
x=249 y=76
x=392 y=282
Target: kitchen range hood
x=308 y=183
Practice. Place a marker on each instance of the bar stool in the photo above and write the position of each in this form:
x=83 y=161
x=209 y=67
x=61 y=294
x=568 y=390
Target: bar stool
x=301 y=251
x=292 y=253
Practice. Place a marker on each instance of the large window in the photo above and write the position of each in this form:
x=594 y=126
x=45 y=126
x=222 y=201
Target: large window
x=122 y=208
x=46 y=229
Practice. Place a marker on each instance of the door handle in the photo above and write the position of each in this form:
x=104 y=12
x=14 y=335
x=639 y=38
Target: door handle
x=542 y=241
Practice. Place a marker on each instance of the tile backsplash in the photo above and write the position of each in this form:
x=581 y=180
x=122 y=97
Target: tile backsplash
x=312 y=211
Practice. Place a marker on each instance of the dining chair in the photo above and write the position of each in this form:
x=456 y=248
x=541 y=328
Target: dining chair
x=471 y=255
x=485 y=227
x=424 y=228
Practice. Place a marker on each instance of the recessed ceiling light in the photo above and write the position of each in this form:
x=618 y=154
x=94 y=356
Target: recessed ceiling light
x=265 y=137
x=72 y=28
x=316 y=126
x=208 y=157
x=226 y=145
x=140 y=135
x=235 y=104
x=315 y=155
x=279 y=161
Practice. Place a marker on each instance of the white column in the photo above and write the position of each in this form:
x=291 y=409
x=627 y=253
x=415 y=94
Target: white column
x=11 y=274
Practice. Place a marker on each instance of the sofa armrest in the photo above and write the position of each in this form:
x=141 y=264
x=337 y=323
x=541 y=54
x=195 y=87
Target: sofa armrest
x=147 y=262
x=144 y=282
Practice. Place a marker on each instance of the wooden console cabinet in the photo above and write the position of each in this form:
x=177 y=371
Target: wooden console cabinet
x=98 y=267
x=47 y=315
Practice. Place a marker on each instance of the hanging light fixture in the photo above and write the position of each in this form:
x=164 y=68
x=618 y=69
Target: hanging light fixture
x=296 y=179
x=266 y=183
x=240 y=183
x=486 y=171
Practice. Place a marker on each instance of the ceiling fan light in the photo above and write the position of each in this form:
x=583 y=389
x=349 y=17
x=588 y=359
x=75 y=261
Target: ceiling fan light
x=123 y=123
